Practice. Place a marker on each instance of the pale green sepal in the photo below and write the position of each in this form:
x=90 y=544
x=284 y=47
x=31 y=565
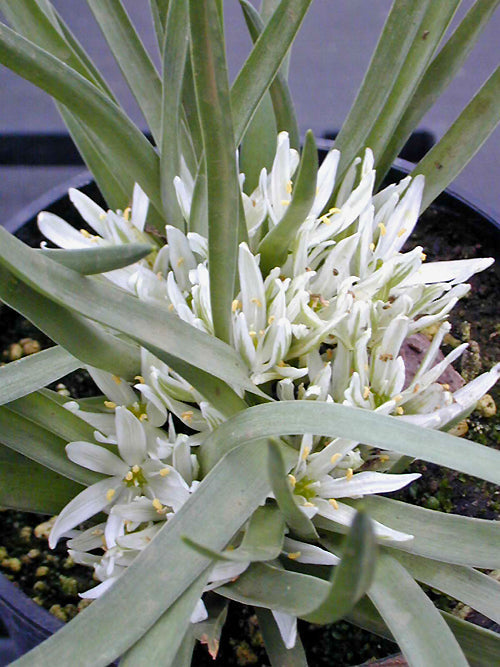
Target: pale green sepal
x=88 y=261
x=30 y=373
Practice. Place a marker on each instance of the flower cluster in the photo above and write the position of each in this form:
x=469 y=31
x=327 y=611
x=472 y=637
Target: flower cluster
x=329 y=324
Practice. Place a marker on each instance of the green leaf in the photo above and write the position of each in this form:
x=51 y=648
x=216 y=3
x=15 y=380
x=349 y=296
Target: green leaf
x=335 y=420
x=174 y=58
x=208 y=632
x=161 y=642
x=154 y=329
x=89 y=261
x=353 y=576
x=471 y=587
x=389 y=56
x=132 y=58
x=443 y=537
x=40 y=445
x=46 y=493
x=462 y=141
x=438 y=75
x=130 y=149
x=159 y=9
x=167 y=565
x=258 y=147
x=263 y=539
x=275 y=648
x=264 y=61
x=34 y=372
x=431 y=30
x=275 y=245
x=280 y=484
x=223 y=191
x=279 y=91
x=85 y=340
x=422 y=635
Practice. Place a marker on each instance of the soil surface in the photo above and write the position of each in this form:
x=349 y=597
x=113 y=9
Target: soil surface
x=52 y=580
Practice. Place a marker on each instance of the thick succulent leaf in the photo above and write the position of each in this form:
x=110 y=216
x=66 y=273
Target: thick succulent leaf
x=161 y=642
x=444 y=537
x=159 y=9
x=334 y=420
x=473 y=588
x=438 y=75
x=279 y=91
x=167 y=564
x=129 y=148
x=431 y=30
x=390 y=54
x=132 y=58
x=40 y=445
x=84 y=339
x=264 y=61
x=276 y=650
x=258 y=147
x=462 y=141
x=153 y=329
x=419 y=629
x=353 y=576
x=223 y=191
x=263 y=539
x=275 y=245
x=298 y=522
x=46 y=493
x=174 y=58
x=28 y=374
x=88 y=261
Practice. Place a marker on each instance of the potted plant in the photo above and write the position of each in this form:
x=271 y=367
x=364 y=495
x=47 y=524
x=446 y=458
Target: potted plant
x=246 y=336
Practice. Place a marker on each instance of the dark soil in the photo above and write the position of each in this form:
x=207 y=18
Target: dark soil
x=53 y=581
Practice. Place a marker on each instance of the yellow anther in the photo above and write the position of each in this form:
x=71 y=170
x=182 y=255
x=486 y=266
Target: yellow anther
x=97 y=532
x=446 y=387
x=308 y=504
x=366 y=392
x=329 y=354
x=294 y=555
x=349 y=474
x=143 y=417
x=423 y=257
x=85 y=234
x=383 y=458
x=180 y=261
x=401 y=232
x=157 y=505
x=372 y=246
x=235 y=305
x=397 y=398
x=129 y=476
x=102 y=216
x=271 y=319
x=305 y=453
x=252 y=333
x=261 y=332
x=140 y=379
x=171 y=307
x=333 y=210
x=159 y=275
x=334 y=503
x=256 y=301
x=187 y=415
x=110 y=405
x=126 y=213
x=109 y=494
x=289 y=187
x=399 y=410
x=164 y=472
x=325 y=220
x=285 y=202
x=336 y=457
x=136 y=469
x=116 y=379
x=416 y=389
x=281 y=364
x=293 y=480
x=383 y=229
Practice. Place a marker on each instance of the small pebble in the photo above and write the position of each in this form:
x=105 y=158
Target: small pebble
x=13 y=564
x=30 y=346
x=486 y=406
x=43 y=529
x=39 y=586
x=57 y=611
x=41 y=571
x=14 y=352
x=25 y=533
x=83 y=604
x=460 y=429
x=33 y=553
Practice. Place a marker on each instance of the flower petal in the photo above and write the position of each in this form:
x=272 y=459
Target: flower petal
x=96 y=458
x=131 y=437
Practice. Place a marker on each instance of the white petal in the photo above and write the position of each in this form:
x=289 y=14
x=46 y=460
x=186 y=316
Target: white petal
x=131 y=437
x=140 y=203
x=89 y=210
x=98 y=590
x=308 y=553
x=96 y=458
x=199 y=613
x=116 y=389
x=363 y=483
x=456 y=271
x=60 y=233
x=287 y=626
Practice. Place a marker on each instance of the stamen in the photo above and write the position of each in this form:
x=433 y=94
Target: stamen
x=102 y=216
x=423 y=257
x=187 y=415
x=235 y=305
x=136 y=469
x=271 y=319
x=157 y=505
x=335 y=458
x=116 y=379
x=110 y=405
x=85 y=234
x=256 y=301
x=305 y=453
x=366 y=392
x=285 y=202
x=180 y=261
x=109 y=494
x=129 y=476
x=289 y=187
x=171 y=307
x=308 y=504
x=294 y=555
x=401 y=232
x=349 y=474
x=164 y=472
x=397 y=398
x=293 y=480
x=383 y=458
x=383 y=229
x=334 y=503
x=372 y=246
x=126 y=213
x=143 y=417
x=400 y=411
x=140 y=379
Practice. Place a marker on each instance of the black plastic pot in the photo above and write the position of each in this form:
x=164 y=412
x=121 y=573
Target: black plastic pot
x=26 y=622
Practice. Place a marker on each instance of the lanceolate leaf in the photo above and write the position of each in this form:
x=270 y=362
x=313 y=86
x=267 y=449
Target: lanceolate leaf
x=264 y=61
x=334 y=420
x=34 y=372
x=132 y=58
x=90 y=261
x=274 y=246
x=130 y=149
x=223 y=192
x=461 y=142
x=47 y=492
x=167 y=565
x=275 y=648
x=421 y=633
x=284 y=111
